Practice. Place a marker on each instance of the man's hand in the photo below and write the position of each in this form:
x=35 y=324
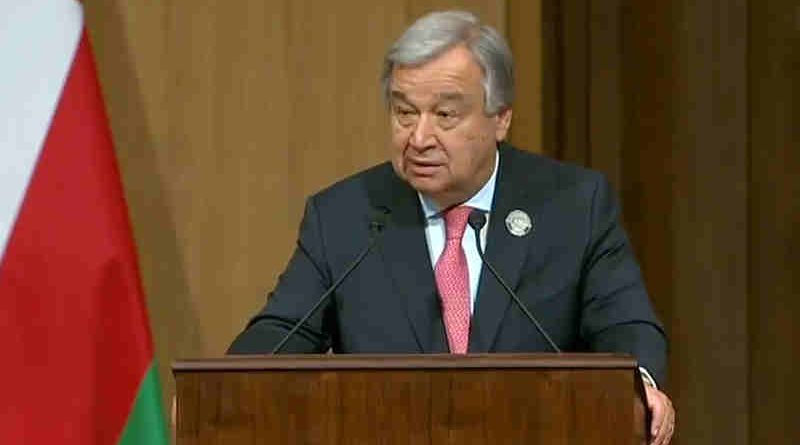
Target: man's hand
x=662 y=414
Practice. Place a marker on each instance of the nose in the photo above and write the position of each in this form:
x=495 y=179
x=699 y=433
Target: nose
x=423 y=135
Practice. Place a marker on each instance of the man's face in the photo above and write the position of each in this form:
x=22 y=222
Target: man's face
x=443 y=143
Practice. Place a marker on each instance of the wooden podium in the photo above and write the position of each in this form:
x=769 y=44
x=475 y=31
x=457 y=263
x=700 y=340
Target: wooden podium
x=410 y=399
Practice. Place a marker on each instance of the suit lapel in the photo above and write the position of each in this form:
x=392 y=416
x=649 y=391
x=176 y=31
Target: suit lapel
x=506 y=252
x=405 y=253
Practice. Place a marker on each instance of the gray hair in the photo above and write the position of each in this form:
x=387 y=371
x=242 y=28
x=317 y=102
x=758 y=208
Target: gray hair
x=437 y=32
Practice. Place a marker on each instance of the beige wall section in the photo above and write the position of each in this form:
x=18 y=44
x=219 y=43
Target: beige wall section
x=226 y=115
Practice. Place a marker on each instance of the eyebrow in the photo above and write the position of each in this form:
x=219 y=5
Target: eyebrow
x=399 y=95
x=456 y=97
x=451 y=96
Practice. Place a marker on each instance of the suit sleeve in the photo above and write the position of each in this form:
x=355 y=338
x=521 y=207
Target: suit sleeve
x=617 y=313
x=303 y=281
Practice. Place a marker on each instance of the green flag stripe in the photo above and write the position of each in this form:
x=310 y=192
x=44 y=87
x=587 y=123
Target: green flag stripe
x=146 y=420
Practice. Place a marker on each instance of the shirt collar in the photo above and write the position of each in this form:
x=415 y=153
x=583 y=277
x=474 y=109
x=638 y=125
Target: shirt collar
x=481 y=200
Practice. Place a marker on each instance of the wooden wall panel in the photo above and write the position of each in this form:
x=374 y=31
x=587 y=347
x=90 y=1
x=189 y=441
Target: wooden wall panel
x=524 y=30
x=604 y=31
x=709 y=211
x=701 y=97
x=337 y=120
x=491 y=12
x=774 y=277
x=566 y=88
x=647 y=169
x=225 y=116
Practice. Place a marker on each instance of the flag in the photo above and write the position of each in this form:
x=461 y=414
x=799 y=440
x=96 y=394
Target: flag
x=76 y=353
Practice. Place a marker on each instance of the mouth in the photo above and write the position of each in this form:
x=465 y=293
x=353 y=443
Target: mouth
x=423 y=167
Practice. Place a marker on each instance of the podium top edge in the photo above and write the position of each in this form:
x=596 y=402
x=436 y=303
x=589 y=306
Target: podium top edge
x=405 y=361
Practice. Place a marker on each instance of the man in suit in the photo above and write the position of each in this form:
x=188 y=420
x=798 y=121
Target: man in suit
x=553 y=232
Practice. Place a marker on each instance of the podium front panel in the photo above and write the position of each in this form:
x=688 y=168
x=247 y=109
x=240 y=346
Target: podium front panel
x=486 y=399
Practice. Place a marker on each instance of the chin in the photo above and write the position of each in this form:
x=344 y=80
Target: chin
x=422 y=185
x=427 y=186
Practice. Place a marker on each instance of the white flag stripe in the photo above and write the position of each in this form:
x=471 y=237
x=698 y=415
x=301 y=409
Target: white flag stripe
x=38 y=40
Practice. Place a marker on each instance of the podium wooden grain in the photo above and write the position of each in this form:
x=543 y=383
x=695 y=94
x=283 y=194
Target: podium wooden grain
x=409 y=399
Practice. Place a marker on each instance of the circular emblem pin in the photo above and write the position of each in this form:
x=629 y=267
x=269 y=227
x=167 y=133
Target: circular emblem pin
x=518 y=223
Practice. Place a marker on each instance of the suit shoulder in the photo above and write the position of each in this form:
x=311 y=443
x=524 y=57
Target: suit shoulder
x=356 y=187
x=543 y=171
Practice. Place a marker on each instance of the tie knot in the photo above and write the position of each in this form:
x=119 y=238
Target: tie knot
x=455 y=221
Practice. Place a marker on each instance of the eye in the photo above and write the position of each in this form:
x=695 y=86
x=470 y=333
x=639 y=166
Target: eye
x=401 y=110
x=405 y=115
x=447 y=114
x=447 y=118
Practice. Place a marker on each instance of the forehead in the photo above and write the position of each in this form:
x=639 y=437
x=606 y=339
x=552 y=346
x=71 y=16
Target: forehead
x=451 y=75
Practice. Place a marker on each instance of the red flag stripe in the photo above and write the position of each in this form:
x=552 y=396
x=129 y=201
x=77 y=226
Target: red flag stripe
x=72 y=320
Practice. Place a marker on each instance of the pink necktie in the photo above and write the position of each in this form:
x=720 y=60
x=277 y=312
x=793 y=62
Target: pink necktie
x=452 y=279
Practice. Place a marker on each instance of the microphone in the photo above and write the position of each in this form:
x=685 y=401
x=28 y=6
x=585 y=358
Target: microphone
x=477 y=220
x=376 y=225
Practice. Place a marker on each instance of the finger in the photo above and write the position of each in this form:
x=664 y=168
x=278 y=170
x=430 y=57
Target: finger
x=662 y=438
x=663 y=434
x=667 y=428
x=658 y=414
x=670 y=433
x=672 y=422
x=669 y=422
x=658 y=439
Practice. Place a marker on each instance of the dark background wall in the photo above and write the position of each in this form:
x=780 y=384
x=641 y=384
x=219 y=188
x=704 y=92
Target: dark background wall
x=691 y=108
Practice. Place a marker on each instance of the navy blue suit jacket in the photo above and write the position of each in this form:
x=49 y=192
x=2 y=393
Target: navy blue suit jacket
x=575 y=271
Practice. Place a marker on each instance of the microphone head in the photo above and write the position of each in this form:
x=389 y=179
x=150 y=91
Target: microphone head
x=477 y=219
x=378 y=219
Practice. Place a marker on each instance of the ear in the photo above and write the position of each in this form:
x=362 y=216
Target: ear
x=502 y=123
